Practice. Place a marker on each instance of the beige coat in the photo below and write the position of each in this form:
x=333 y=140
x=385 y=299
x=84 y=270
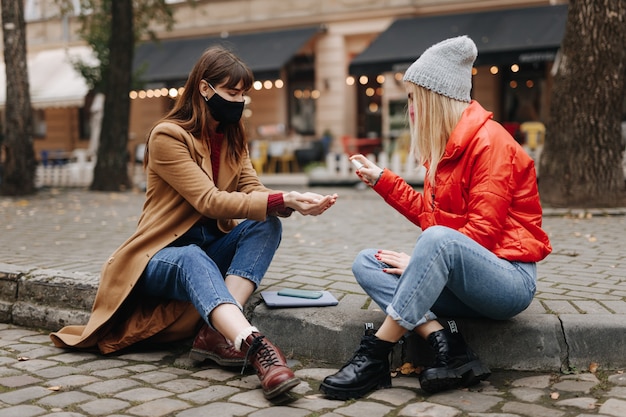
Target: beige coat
x=180 y=192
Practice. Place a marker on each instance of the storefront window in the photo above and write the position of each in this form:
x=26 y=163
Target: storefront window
x=40 y=127
x=398 y=121
x=303 y=96
x=523 y=91
x=302 y=108
x=369 y=102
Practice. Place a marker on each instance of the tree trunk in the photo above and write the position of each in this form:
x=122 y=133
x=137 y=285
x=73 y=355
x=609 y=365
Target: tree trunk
x=18 y=168
x=111 y=171
x=581 y=164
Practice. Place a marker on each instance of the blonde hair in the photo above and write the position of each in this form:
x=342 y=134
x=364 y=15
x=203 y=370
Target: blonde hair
x=436 y=116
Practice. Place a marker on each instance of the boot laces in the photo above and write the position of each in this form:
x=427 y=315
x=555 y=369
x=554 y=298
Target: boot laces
x=266 y=355
x=359 y=356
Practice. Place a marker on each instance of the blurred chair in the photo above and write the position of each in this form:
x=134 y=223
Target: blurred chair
x=258 y=155
x=535 y=133
x=281 y=155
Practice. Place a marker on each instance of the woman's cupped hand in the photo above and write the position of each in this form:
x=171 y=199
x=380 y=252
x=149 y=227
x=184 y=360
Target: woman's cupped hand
x=308 y=203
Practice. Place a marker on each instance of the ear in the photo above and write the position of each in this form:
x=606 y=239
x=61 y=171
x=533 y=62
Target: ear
x=205 y=90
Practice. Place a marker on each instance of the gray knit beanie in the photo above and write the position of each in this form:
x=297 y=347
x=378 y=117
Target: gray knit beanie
x=446 y=68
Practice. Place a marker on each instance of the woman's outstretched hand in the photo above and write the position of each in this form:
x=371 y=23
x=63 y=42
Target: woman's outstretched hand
x=398 y=261
x=369 y=173
x=309 y=204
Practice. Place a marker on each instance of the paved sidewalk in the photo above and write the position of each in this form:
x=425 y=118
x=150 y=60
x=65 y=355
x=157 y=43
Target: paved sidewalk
x=39 y=380
x=54 y=243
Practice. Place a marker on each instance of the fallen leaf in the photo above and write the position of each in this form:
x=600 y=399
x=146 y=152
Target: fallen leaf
x=593 y=367
x=407 y=368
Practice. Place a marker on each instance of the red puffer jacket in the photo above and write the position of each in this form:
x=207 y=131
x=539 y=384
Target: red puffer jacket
x=485 y=187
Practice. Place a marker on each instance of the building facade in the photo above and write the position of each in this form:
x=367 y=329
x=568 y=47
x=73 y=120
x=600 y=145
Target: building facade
x=323 y=68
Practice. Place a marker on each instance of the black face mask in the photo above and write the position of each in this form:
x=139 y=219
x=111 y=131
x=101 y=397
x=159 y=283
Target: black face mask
x=224 y=111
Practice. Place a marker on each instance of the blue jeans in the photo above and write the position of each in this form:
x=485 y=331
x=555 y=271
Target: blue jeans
x=449 y=274
x=194 y=266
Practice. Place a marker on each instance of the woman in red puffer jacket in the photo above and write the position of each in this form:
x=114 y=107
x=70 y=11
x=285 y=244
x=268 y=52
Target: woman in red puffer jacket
x=481 y=237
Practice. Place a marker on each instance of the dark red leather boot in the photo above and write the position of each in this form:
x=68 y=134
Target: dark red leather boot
x=210 y=344
x=270 y=365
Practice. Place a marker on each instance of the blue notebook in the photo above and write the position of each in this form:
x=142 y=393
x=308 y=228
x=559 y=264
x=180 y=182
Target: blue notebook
x=273 y=300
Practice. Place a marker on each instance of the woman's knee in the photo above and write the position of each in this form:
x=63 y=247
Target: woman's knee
x=364 y=259
x=363 y=264
x=272 y=226
x=435 y=238
x=275 y=223
x=437 y=233
x=190 y=255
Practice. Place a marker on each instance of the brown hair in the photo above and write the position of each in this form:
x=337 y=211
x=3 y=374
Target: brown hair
x=216 y=66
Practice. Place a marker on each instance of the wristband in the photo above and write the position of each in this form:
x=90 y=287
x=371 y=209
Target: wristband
x=378 y=179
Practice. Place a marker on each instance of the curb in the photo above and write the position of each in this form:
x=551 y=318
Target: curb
x=49 y=300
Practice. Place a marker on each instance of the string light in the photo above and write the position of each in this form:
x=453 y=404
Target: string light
x=175 y=92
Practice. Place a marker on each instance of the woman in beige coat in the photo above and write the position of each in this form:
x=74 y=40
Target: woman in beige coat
x=190 y=264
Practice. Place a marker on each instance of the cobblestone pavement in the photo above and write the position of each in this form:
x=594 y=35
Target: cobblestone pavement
x=37 y=379
x=75 y=230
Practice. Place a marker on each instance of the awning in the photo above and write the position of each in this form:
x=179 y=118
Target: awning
x=502 y=36
x=53 y=80
x=170 y=61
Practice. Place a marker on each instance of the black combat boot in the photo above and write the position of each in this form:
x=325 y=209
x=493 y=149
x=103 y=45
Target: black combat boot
x=367 y=370
x=456 y=365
